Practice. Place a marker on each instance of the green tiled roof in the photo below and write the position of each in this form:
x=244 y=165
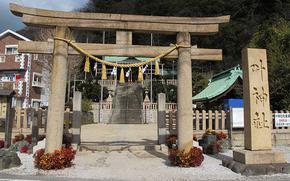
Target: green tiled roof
x=126 y=59
x=219 y=84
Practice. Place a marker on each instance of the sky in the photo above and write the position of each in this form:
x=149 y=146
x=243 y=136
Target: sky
x=10 y=21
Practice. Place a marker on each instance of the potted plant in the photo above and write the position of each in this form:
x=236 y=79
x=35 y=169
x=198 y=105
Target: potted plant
x=208 y=137
x=213 y=148
x=223 y=141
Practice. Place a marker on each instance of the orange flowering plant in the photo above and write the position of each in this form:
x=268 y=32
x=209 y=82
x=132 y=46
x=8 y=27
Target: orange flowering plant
x=59 y=159
x=221 y=135
x=193 y=158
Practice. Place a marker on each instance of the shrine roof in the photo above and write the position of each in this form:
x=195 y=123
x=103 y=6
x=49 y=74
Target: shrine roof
x=118 y=59
x=219 y=84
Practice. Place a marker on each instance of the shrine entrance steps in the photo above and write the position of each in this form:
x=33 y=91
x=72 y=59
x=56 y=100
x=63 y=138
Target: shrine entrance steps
x=119 y=137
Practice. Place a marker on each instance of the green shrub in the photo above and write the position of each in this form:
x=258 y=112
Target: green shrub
x=86 y=105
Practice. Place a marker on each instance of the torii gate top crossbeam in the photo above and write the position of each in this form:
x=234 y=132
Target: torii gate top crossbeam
x=102 y=21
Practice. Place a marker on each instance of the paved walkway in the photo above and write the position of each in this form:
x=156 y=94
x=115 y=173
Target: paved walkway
x=131 y=166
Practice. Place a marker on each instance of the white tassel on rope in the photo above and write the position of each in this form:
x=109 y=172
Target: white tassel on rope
x=128 y=72
x=96 y=69
x=114 y=71
x=144 y=69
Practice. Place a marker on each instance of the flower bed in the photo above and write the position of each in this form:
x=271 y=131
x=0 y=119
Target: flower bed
x=59 y=159
x=193 y=158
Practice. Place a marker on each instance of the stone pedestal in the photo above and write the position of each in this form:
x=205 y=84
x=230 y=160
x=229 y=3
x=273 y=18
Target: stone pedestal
x=259 y=157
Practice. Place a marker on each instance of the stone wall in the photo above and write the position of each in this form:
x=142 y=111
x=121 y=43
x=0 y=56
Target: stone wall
x=279 y=137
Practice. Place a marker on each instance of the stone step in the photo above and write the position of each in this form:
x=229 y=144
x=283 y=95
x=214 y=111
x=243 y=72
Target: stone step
x=121 y=147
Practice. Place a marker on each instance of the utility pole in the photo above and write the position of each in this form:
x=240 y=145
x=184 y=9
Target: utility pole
x=102 y=87
x=151 y=87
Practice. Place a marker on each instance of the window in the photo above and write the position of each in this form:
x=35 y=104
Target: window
x=36 y=81
x=2 y=58
x=35 y=56
x=35 y=103
x=18 y=58
x=7 y=77
x=11 y=49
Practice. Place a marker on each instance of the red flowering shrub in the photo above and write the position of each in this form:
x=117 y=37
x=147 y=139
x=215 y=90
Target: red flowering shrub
x=193 y=158
x=2 y=144
x=221 y=135
x=24 y=149
x=59 y=159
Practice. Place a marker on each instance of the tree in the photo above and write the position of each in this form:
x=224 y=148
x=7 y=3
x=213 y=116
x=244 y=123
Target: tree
x=274 y=35
x=91 y=90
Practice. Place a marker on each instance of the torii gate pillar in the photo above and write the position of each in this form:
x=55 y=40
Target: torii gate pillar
x=184 y=94
x=57 y=93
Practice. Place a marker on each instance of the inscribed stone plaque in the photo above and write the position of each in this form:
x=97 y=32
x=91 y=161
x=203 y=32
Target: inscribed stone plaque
x=257 y=114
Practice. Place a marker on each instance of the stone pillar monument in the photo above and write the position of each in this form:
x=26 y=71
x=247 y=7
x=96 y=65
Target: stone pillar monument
x=161 y=119
x=258 y=157
x=57 y=94
x=257 y=113
x=77 y=115
x=184 y=94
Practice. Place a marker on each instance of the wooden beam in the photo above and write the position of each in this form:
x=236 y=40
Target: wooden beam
x=195 y=29
x=120 y=50
x=21 y=10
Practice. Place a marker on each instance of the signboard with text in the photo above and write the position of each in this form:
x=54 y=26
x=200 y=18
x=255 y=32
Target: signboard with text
x=282 y=119
x=237 y=117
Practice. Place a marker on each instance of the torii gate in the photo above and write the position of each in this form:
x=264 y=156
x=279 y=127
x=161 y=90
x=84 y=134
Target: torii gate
x=124 y=24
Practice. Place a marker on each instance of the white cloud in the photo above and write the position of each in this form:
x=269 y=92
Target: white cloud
x=65 y=5
x=8 y=20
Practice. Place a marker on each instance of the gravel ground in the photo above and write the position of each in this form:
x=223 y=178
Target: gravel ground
x=137 y=165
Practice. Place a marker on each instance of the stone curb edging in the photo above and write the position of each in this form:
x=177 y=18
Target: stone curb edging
x=256 y=169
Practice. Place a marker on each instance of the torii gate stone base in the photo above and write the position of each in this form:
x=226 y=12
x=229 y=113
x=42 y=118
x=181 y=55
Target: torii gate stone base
x=258 y=158
x=65 y=22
